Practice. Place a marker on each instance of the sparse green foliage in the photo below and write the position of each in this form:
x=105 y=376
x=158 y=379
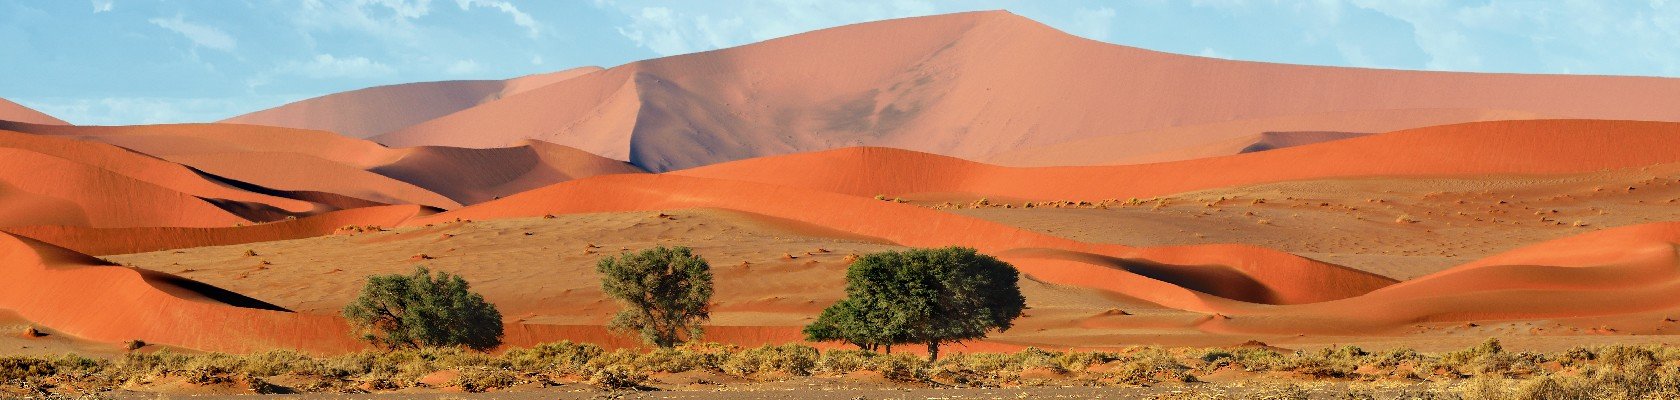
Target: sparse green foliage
x=928 y=296
x=422 y=309
x=665 y=293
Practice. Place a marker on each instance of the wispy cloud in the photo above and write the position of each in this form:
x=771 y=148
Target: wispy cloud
x=200 y=35
x=519 y=17
x=463 y=67
x=100 y=6
x=324 y=66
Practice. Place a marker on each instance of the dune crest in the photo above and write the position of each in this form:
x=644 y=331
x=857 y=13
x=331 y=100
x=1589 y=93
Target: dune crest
x=1530 y=147
x=307 y=160
x=988 y=84
x=10 y=111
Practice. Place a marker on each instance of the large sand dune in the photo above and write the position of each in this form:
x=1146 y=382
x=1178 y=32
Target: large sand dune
x=373 y=111
x=58 y=181
x=984 y=85
x=1483 y=148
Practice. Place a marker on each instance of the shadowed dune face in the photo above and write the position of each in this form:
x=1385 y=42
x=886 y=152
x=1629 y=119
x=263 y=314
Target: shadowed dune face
x=10 y=111
x=373 y=111
x=984 y=86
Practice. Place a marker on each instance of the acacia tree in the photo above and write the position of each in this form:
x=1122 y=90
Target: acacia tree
x=864 y=326
x=422 y=309
x=666 y=293
x=928 y=296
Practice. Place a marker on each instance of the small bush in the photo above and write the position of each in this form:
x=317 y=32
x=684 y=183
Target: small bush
x=617 y=377
x=481 y=379
x=564 y=357
x=845 y=360
x=792 y=359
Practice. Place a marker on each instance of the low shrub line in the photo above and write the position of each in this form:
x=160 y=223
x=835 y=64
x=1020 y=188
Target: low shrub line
x=1485 y=371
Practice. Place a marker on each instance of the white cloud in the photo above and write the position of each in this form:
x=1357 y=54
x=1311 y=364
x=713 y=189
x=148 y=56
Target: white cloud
x=100 y=6
x=1209 y=52
x=389 y=19
x=536 y=59
x=519 y=17
x=200 y=35
x=402 y=8
x=324 y=66
x=463 y=67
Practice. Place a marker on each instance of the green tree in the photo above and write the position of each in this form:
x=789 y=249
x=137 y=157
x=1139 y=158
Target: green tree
x=666 y=293
x=423 y=309
x=928 y=296
x=860 y=325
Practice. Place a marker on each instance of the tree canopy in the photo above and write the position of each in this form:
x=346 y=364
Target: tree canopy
x=666 y=293
x=422 y=309
x=928 y=296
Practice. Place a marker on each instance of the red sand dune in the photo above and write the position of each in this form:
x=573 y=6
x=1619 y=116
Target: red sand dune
x=372 y=111
x=143 y=168
x=975 y=85
x=105 y=241
x=1225 y=138
x=1620 y=271
x=114 y=304
x=10 y=111
x=306 y=160
x=1261 y=275
x=1480 y=148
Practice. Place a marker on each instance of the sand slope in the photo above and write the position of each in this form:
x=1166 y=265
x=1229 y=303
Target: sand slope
x=114 y=304
x=376 y=110
x=10 y=111
x=1185 y=142
x=319 y=161
x=57 y=181
x=975 y=85
x=1480 y=148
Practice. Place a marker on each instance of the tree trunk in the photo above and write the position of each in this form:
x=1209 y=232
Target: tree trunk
x=889 y=348
x=933 y=351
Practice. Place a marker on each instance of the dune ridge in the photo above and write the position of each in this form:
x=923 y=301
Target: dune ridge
x=10 y=111
x=984 y=84
x=106 y=241
x=307 y=160
x=1527 y=147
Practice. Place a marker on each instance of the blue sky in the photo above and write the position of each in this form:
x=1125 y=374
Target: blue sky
x=151 y=61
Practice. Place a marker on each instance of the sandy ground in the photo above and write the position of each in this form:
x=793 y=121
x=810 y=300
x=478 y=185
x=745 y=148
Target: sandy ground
x=540 y=270
x=1358 y=222
x=832 y=388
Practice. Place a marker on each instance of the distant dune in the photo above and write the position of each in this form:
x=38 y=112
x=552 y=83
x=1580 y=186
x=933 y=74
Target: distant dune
x=10 y=111
x=982 y=85
x=372 y=111
x=1469 y=149
x=308 y=160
